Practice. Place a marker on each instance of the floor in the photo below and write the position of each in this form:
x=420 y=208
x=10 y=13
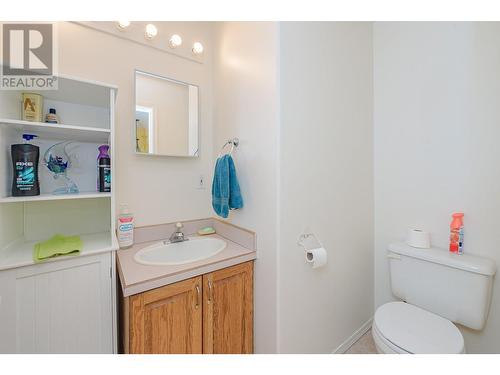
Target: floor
x=364 y=345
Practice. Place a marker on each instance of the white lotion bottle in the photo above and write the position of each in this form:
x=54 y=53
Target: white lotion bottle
x=125 y=227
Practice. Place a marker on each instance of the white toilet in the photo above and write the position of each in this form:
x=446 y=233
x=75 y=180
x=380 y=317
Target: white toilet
x=437 y=288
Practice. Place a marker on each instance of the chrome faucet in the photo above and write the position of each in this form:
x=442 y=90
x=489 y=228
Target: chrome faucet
x=178 y=236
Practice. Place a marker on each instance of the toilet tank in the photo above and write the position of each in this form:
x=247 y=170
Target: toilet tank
x=456 y=287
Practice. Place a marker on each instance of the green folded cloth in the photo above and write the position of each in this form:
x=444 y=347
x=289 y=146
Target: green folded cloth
x=56 y=246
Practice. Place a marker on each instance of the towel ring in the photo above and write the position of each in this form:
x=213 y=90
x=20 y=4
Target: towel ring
x=232 y=142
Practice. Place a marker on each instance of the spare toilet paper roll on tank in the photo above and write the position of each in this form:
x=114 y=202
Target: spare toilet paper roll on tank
x=317 y=257
x=418 y=238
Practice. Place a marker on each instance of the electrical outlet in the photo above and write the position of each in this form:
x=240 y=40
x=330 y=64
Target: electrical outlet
x=201 y=183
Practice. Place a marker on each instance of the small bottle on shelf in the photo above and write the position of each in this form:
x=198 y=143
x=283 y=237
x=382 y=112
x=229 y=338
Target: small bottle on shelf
x=52 y=117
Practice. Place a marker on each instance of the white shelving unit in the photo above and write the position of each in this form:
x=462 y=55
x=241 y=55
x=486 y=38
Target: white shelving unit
x=86 y=109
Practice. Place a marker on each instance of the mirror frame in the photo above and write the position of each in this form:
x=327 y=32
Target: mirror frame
x=134 y=128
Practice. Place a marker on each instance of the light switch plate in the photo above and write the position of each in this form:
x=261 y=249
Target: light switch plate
x=201 y=183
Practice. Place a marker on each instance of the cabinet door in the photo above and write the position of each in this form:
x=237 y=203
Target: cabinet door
x=58 y=307
x=228 y=310
x=167 y=320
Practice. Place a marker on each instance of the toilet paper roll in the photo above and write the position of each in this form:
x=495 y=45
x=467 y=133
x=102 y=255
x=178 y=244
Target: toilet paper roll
x=418 y=238
x=317 y=257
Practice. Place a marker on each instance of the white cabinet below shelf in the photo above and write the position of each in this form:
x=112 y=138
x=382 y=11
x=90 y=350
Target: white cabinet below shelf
x=59 y=307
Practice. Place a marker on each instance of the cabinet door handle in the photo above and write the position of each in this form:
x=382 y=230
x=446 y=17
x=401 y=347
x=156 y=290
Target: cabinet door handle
x=210 y=291
x=198 y=296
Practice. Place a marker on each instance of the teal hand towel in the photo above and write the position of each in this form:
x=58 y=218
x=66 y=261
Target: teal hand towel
x=57 y=246
x=226 y=194
x=235 y=199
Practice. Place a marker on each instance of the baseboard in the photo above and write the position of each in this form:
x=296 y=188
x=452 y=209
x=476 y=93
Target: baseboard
x=342 y=348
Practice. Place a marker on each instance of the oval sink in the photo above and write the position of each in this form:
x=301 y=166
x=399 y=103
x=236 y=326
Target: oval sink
x=169 y=254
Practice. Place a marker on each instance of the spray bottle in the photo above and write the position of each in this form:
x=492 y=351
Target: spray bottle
x=103 y=169
x=457 y=233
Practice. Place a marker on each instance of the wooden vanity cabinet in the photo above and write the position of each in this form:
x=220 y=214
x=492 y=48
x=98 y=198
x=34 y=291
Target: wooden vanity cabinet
x=228 y=310
x=212 y=313
x=167 y=319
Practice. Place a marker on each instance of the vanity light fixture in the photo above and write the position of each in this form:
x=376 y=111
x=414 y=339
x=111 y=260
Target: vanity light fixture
x=175 y=41
x=197 y=48
x=151 y=31
x=122 y=25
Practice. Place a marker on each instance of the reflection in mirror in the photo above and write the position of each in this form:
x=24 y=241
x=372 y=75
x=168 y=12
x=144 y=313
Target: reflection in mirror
x=166 y=116
x=143 y=126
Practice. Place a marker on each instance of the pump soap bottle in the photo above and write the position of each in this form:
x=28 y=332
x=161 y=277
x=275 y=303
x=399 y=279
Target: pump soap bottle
x=125 y=227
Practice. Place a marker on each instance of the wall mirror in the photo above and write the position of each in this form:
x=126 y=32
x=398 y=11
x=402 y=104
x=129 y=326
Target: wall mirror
x=166 y=116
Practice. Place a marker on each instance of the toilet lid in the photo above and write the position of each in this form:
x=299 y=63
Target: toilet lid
x=416 y=330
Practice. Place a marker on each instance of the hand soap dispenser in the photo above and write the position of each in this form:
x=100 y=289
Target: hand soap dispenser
x=125 y=227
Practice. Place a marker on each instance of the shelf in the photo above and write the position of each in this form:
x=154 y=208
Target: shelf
x=20 y=253
x=53 y=197
x=59 y=131
x=78 y=90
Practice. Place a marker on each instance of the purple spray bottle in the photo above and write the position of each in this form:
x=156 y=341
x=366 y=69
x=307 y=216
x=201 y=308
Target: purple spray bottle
x=103 y=170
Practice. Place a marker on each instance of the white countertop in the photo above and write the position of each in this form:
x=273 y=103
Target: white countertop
x=137 y=278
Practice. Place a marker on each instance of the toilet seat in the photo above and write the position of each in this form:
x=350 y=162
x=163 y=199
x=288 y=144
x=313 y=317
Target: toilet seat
x=399 y=327
x=383 y=345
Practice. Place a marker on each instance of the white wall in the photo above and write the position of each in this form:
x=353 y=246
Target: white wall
x=326 y=182
x=246 y=106
x=11 y=223
x=158 y=189
x=436 y=118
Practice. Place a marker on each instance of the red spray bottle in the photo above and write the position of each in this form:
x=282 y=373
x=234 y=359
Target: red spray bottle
x=457 y=233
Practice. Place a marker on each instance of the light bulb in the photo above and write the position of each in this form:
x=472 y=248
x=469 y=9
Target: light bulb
x=151 y=31
x=197 y=48
x=175 y=41
x=122 y=25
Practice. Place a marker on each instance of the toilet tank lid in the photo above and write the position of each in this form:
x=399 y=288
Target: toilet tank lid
x=466 y=262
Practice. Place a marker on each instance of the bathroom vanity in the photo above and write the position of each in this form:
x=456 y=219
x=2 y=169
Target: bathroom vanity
x=204 y=306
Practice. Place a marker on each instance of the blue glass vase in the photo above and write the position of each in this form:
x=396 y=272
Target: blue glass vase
x=57 y=161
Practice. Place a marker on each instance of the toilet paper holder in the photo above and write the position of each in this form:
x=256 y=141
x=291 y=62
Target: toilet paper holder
x=302 y=239
x=316 y=256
